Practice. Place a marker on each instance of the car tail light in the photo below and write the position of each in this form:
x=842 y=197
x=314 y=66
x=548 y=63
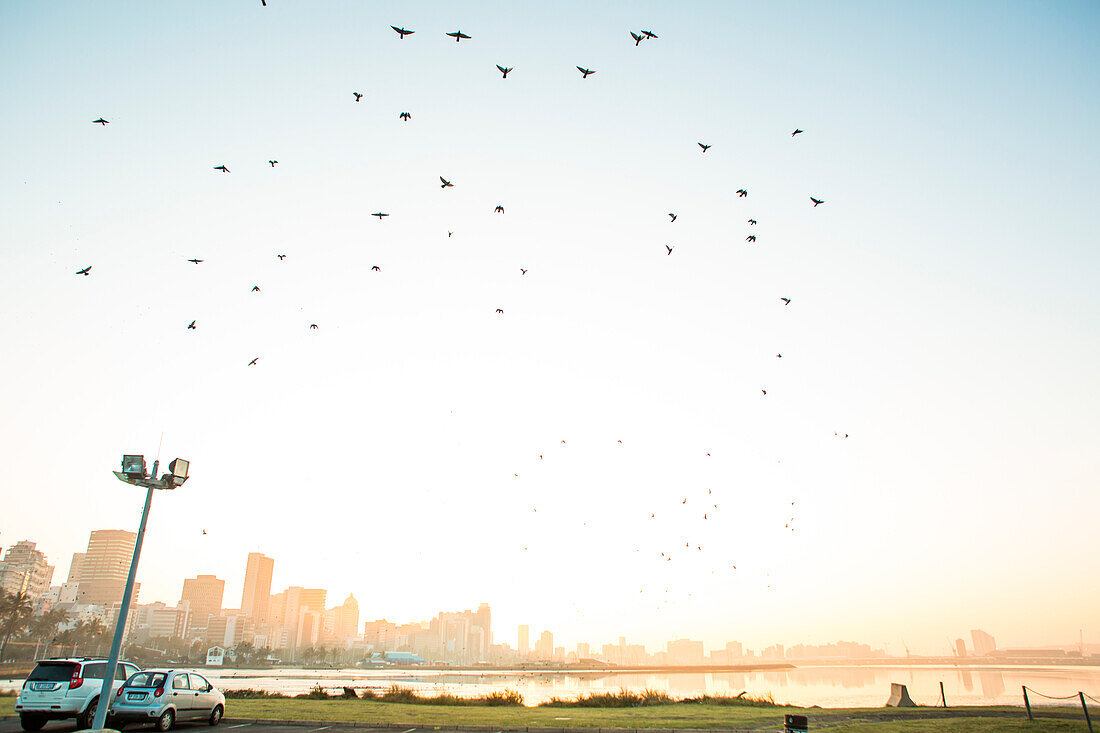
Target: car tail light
x=76 y=680
x=119 y=693
x=158 y=692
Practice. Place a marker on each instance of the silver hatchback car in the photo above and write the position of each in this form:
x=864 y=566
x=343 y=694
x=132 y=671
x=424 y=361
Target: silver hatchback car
x=165 y=697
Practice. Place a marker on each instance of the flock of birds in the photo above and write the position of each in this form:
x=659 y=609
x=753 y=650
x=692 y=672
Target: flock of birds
x=710 y=507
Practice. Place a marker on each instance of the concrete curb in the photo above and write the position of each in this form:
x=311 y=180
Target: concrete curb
x=466 y=728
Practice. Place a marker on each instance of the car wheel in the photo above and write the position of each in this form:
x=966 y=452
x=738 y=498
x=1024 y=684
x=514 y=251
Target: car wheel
x=166 y=720
x=85 y=719
x=215 y=715
x=31 y=722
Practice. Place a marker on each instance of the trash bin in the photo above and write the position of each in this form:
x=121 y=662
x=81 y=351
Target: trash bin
x=795 y=724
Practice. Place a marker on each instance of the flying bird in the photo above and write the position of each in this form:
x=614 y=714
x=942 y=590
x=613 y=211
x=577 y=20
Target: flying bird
x=649 y=34
x=191 y=325
x=796 y=132
x=281 y=257
x=504 y=71
x=637 y=39
x=101 y=121
x=585 y=72
x=522 y=272
x=375 y=268
x=750 y=238
x=499 y=209
x=405 y=116
x=672 y=216
x=764 y=391
x=255 y=288
x=499 y=310
x=253 y=362
x=273 y=162
x=204 y=531
x=752 y=222
x=357 y=96
x=313 y=325
x=458 y=36
x=379 y=214
x=195 y=260
x=221 y=168
x=704 y=147
x=450 y=234
x=816 y=201
x=778 y=356
x=401 y=32
x=742 y=192
x=446 y=183
x=669 y=249
x=786 y=301
x=86 y=271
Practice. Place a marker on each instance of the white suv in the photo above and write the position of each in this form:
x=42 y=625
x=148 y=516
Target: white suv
x=66 y=688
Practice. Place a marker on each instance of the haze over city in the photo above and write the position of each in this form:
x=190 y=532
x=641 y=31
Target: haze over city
x=620 y=452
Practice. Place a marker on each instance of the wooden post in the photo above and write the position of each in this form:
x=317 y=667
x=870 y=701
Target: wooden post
x=1026 y=703
x=1086 y=709
x=943 y=697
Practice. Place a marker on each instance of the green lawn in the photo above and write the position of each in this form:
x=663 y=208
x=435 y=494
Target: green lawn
x=838 y=720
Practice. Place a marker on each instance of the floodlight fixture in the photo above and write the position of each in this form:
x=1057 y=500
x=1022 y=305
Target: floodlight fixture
x=133 y=466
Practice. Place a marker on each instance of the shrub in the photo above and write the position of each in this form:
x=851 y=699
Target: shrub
x=250 y=694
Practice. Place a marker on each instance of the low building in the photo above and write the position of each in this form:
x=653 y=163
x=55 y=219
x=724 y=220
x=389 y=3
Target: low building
x=215 y=656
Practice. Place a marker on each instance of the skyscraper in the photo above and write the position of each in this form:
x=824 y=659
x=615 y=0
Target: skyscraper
x=545 y=648
x=204 y=595
x=345 y=619
x=984 y=644
x=25 y=570
x=102 y=569
x=257 y=587
x=524 y=645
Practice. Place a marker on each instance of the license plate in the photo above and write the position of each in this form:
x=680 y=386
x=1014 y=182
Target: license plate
x=132 y=696
x=44 y=686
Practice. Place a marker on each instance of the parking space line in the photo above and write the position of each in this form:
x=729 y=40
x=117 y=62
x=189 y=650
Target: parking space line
x=239 y=725
x=410 y=730
x=323 y=727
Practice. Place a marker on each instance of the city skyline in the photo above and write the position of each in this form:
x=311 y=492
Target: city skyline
x=201 y=603
x=846 y=390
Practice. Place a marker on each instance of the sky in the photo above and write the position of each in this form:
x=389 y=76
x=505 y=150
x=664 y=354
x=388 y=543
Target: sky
x=944 y=312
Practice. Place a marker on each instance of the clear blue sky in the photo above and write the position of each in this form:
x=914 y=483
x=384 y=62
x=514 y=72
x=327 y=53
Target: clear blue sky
x=944 y=307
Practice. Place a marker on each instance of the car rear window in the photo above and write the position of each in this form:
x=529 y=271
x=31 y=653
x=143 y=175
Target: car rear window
x=94 y=671
x=52 y=672
x=147 y=679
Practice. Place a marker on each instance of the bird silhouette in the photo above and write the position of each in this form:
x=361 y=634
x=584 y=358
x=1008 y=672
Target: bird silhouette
x=669 y=249
x=446 y=183
x=85 y=272
x=375 y=268
x=796 y=132
x=273 y=162
x=649 y=34
x=313 y=325
x=672 y=216
x=522 y=271
x=281 y=257
x=191 y=325
x=504 y=71
x=101 y=121
x=786 y=301
x=450 y=234
x=563 y=443
x=778 y=356
x=499 y=209
x=704 y=147
x=405 y=116
x=585 y=72
x=750 y=238
x=752 y=222
x=195 y=260
x=742 y=192
x=221 y=168
x=458 y=36
x=764 y=391
x=499 y=310
x=253 y=362
x=255 y=288
x=637 y=39
x=401 y=32
x=816 y=201
x=357 y=96
x=379 y=214
x=204 y=531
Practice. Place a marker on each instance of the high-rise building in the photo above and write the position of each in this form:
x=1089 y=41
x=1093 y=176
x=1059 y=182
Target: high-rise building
x=74 y=567
x=685 y=652
x=524 y=645
x=204 y=594
x=257 y=586
x=583 y=651
x=733 y=650
x=960 y=648
x=101 y=570
x=984 y=644
x=345 y=620
x=296 y=599
x=545 y=648
x=25 y=570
